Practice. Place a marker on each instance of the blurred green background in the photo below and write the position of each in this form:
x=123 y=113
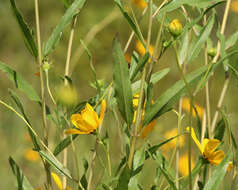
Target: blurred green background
x=13 y=52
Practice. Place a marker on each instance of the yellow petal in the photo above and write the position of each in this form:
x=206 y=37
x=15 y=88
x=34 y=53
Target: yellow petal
x=80 y=123
x=102 y=111
x=68 y=188
x=211 y=147
x=183 y=164
x=57 y=180
x=90 y=117
x=216 y=157
x=204 y=144
x=194 y=137
x=76 y=131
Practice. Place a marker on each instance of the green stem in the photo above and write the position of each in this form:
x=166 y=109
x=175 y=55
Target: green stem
x=48 y=87
x=46 y=164
x=190 y=115
x=141 y=96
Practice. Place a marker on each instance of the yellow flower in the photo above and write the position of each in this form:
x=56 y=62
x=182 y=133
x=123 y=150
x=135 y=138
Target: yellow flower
x=140 y=3
x=186 y=107
x=87 y=121
x=234 y=6
x=183 y=164
x=141 y=49
x=208 y=148
x=31 y=155
x=58 y=181
x=175 y=27
x=172 y=144
x=148 y=128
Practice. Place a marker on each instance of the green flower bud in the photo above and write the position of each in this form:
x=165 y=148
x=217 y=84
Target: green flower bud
x=175 y=27
x=212 y=52
x=46 y=66
x=66 y=95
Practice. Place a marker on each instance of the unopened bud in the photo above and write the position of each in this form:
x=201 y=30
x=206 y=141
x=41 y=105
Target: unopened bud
x=46 y=66
x=175 y=27
x=212 y=52
x=66 y=95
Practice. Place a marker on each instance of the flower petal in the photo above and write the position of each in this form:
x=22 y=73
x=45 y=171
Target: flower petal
x=195 y=139
x=210 y=147
x=148 y=128
x=57 y=180
x=76 y=131
x=216 y=157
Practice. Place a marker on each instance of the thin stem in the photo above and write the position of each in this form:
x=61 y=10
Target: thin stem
x=48 y=87
x=227 y=79
x=76 y=162
x=141 y=97
x=45 y=129
x=190 y=115
x=71 y=37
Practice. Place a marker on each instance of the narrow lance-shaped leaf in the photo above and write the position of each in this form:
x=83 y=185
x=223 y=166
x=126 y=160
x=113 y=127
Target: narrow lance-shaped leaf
x=166 y=101
x=20 y=83
x=124 y=179
x=22 y=181
x=56 y=164
x=134 y=27
x=122 y=83
x=174 y=4
x=65 y=20
x=20 y=107
x=63 y=144
x=27 y=35
x=140 y=65
x=197 y=44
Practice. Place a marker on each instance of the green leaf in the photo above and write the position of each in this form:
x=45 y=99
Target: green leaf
x=21 y=108
x=140 y=65
x=124 y=179
x=230 y=42
x=174 y=4
x=220 y=130
x=65 y=20
x=63 y=144
x=219 y=173
x=167 y=100
x=199 y=41
x=122 y=83
x=132 y=24
x=55 y=163
x=20 y=83
x=22 y=181
x=154 y=79
x=27 y=34
x=91 y=65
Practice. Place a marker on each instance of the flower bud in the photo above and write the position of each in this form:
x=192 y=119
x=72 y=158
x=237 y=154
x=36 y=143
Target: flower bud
x=212 y=52
x=66 y=95
x=46 y=66
x=175 y=27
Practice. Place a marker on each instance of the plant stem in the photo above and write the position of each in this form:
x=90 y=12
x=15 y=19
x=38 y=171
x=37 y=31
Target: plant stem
x=227 y=79
x=46 y=164
x=71 y=37
x=190 y=115
x=141 y=96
